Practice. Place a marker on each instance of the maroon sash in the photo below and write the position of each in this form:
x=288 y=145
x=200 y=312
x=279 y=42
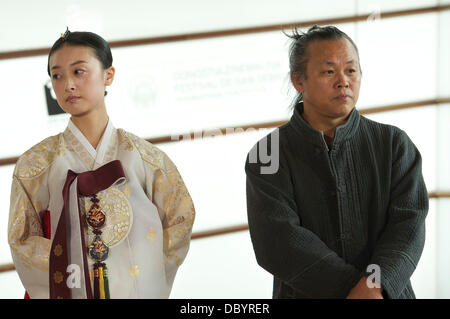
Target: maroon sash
x=89 y=183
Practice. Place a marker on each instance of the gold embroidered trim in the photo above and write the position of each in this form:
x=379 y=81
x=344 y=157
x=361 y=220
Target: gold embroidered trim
x=78 y=148
x=25 y=234
x=58 y=277
x=149 y=153
x=39 y=157
x=134 y=271
x=151 y=234
x=58 y=250
x=169 y=194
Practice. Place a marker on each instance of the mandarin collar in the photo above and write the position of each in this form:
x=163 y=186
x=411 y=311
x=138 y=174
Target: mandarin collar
x=307 y=132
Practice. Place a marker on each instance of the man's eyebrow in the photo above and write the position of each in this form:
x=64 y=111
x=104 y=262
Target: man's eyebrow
x=332 y=63
x=72 y=64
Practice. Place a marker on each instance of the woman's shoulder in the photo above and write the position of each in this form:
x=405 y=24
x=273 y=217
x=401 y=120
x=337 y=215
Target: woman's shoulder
x=148 y=152
x=38 y=158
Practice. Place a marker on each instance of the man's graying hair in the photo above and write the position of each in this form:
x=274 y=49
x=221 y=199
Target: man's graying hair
x=298 y=56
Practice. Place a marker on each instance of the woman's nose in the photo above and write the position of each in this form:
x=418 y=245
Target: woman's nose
x=70 y=85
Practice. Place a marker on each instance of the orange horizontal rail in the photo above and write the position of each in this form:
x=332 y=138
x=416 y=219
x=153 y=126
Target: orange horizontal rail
x=219 y=231
x=196 y=235
x=241 y=129
x=234 y=32
x=230 y=229
x=7 y=267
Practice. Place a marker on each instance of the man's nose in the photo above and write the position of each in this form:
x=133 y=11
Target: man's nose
x=342 y=81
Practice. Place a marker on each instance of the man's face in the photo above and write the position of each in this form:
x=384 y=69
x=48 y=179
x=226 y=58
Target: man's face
x=333 y=79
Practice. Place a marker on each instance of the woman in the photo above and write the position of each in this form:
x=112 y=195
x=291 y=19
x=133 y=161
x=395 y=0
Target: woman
x=96 y=212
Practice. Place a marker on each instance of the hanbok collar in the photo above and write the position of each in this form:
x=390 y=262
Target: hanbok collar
x=97 y=154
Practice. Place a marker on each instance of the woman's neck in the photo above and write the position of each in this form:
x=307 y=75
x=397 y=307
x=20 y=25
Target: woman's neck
x=92 y=125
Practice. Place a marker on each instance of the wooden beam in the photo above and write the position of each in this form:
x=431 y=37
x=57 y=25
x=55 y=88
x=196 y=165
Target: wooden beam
x=234 y=32
x=231 y=229
x=241 y=129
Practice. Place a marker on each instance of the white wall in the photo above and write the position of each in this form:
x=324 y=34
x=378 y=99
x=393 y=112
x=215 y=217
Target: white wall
x=189 y=86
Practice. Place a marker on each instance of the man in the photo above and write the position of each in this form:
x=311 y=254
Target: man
x=343 y=216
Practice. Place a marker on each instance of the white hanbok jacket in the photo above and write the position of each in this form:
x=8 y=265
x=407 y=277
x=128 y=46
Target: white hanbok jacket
x=149 y=216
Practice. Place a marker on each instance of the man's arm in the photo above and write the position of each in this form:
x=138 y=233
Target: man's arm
x=363 y=291
x=400 y=246
x=283 y=247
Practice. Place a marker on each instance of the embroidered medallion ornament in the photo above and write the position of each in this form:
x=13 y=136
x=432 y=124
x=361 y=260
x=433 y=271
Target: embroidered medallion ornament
x=98 y=250
x=95 y=217
x=112 y=203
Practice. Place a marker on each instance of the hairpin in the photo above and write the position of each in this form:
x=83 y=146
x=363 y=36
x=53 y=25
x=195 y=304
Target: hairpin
x=65 y=35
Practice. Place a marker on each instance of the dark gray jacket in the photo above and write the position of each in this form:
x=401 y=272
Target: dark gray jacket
x=326 y=214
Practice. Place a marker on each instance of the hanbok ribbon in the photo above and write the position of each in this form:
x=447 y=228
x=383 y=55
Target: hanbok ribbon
x=88 y=184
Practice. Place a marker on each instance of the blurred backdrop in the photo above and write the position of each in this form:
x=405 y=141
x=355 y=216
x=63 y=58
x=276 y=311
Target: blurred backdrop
x=202 y=66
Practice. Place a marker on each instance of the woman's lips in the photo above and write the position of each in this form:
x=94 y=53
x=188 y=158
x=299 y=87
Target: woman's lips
x=73 y=99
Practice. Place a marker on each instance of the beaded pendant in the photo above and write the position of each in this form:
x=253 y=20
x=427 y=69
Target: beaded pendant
x=98 y=249
x=95 y=217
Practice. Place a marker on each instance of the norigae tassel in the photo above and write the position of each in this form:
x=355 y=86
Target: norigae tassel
x=106 y=283
x=101 y=283
x=96 y=282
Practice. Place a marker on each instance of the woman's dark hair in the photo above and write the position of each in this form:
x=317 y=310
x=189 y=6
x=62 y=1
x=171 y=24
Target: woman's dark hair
x=89 y=39
x=298 y=57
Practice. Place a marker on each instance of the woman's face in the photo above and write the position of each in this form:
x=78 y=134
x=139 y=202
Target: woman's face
x=78 y=79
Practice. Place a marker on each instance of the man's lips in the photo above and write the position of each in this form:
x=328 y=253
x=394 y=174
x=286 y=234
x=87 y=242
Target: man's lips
x=343 y=97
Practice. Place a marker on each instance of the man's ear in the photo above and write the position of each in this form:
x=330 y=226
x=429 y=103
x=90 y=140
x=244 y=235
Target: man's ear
x=297 y=81
x=109 y=75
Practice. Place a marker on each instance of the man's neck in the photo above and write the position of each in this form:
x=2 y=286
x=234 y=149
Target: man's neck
x=327 y=125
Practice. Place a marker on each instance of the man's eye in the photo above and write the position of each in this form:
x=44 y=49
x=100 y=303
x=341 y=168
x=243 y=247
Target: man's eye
x=79 y=71
x=329 y=71
x=352 y=70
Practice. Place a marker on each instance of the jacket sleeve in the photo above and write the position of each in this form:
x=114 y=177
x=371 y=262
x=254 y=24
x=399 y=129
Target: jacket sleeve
x=29 y=248
x=400 y=245
x=283 y=247
x=172 y=198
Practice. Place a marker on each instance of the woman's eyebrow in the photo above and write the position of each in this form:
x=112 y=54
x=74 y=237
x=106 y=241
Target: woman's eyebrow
x=72 y=64
x=78 y=62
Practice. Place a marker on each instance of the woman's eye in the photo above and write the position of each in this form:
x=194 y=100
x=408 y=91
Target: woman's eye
x=55 y=76
x=79 y=71
x=352 y=71
x=329 y=71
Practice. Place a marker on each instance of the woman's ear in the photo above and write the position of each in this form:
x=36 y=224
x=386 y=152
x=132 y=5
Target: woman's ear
x=297 y=81
x=109 y=75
